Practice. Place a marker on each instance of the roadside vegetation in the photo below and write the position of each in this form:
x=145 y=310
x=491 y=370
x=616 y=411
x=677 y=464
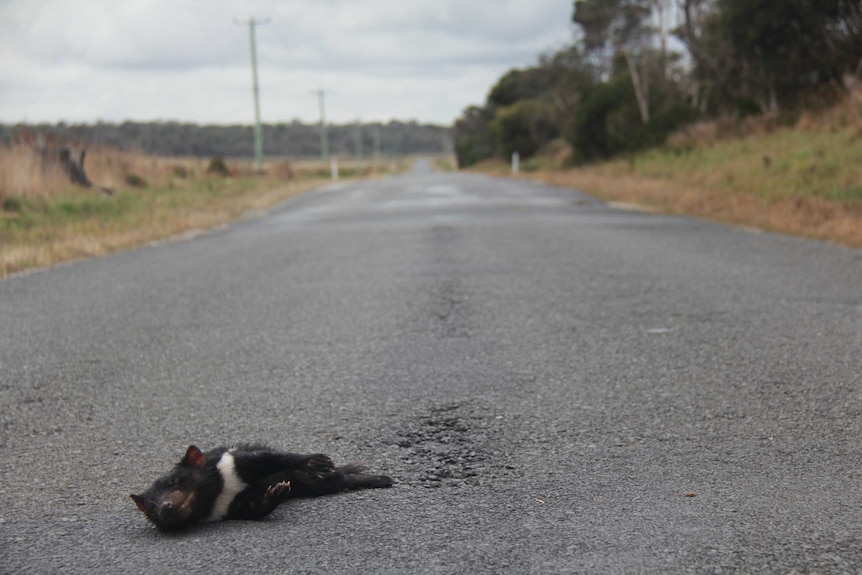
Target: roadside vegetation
x=641 y=70
x=804 y=180
x=745 y=111
x=135 y=199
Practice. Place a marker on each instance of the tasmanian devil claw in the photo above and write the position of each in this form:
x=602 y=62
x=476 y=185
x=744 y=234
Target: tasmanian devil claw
x=280 y=488
x=319 y=463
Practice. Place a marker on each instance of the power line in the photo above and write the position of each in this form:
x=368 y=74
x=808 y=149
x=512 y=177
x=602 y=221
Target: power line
x=258 y=131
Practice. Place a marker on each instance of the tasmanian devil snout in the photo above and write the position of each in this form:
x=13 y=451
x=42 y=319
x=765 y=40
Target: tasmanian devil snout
x=243 y=482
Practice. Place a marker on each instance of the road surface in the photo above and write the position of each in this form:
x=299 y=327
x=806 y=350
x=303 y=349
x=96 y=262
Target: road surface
x=557 y=385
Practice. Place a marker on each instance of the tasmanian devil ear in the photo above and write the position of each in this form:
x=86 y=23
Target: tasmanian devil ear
x=193 y=458
x=139 y=501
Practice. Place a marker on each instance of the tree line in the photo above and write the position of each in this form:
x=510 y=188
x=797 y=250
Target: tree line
x=640 y=69
x=293 y=139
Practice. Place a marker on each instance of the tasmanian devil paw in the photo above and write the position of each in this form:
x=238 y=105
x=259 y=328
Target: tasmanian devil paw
x=280 y=489
x=319 y=463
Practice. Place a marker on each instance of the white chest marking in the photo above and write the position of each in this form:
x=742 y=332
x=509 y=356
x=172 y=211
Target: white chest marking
x=232 y=486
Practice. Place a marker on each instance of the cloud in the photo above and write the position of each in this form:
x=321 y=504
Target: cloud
x=189 y=59
x=131 y=33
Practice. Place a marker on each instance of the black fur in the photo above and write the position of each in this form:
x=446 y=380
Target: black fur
x=188 y=494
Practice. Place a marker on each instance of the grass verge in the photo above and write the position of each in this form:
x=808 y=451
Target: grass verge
x=40 y=232
x=804 y=180
x=135 y=200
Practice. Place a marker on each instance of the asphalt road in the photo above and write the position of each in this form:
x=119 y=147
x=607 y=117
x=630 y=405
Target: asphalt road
x=558 y=387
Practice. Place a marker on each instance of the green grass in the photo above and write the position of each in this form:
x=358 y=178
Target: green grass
x=85 y=207
x=783 y=164
x=39 y=231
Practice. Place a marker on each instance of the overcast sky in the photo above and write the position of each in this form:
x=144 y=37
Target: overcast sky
x=188 y=60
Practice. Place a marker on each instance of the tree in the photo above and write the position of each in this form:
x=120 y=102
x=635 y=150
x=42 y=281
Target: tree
x=474 y=140
x=614 y=91
x=572 y=73
x=612 y=27
x=771 y=54
x=605 y=115
x=609 y=25
x=525 y=109
x=524 y=127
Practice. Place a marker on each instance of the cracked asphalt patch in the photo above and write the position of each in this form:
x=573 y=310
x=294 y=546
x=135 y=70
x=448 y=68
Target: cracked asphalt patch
x=450 y=446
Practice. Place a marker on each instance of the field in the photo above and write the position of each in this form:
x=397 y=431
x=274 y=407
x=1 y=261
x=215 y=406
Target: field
x=136 y=199
x=804 y=179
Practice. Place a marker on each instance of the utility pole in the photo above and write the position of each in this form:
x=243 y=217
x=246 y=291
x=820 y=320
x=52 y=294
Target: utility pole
x=258 y=131
x=324 y=139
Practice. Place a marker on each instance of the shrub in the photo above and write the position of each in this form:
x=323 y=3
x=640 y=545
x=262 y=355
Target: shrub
x=218 y=167
x=523 y=127
x=474 y=141
x=608 y=123
x=12 y=204
x=135 y=181
x=607 y=112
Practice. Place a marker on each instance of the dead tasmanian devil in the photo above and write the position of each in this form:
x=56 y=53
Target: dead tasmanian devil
x=243 y=482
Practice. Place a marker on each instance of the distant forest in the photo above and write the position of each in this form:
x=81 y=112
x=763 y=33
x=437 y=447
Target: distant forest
x=294 y=139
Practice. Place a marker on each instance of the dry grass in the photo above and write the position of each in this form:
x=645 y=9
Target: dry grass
x=804 y=180
x=72 y=228
x=21 y=174
x=813 y=217
x=136 y=199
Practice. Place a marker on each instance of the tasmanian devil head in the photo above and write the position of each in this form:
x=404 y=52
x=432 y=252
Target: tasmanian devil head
x=172 y=501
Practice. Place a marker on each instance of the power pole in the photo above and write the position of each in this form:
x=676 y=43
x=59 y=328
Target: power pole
x=258 y=131
x=324 y=139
